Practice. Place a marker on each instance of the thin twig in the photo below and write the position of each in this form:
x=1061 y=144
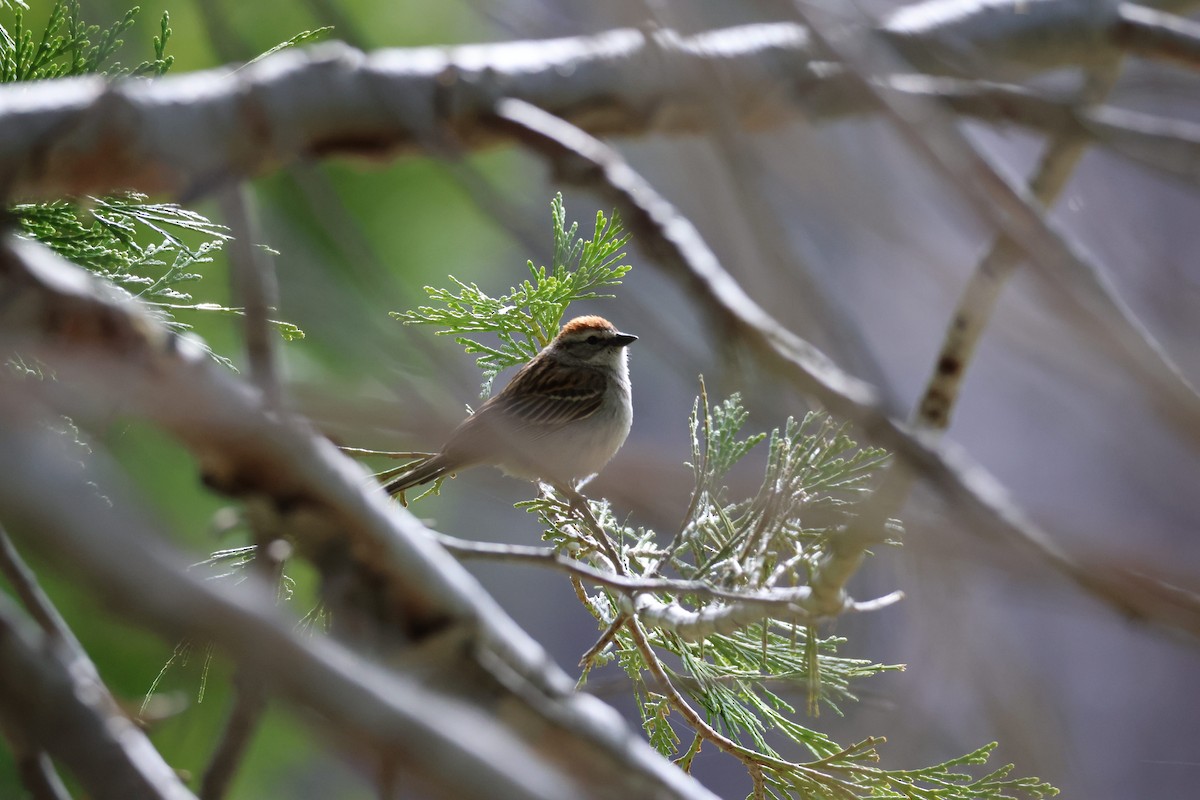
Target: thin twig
x=579 y=504
x=248 y=705
x=256 y=290
x=611 y=631
x=249 y=700
x=779 y=601
x=979 y=298
x=395 y=454
x=25 y=584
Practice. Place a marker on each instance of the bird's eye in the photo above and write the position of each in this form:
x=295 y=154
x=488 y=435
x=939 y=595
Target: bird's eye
x=593 y=339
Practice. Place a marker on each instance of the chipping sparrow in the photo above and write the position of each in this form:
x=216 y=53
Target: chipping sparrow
x=561 y=417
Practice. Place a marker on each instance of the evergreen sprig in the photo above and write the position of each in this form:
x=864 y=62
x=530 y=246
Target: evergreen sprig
x=814 y=477
x=740 y=673
x=68 y=46
x=526 y=318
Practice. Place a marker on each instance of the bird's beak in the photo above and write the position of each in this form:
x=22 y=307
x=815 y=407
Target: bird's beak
x=623 y=339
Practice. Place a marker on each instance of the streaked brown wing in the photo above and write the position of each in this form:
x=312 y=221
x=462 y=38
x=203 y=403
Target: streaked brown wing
x=542 y=396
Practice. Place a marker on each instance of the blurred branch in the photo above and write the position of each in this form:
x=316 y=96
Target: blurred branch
x=28 y=741
x=184 y=135
x=38 y=776
x=384 y=575
x=34 y=766
x=1146 y=32
x=21 y=578
x=256 y=290
x=68 y=711
x=1081 y=291
x=967 y=37
x=119 y=555
x=248 y=705
x=991 y=274
x=249 y=700
x=983 y=505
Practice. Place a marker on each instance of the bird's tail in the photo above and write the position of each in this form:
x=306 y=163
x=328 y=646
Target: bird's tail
x=428 y=470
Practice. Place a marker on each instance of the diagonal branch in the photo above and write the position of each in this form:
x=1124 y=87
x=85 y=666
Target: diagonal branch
x=69 y=713
x=982 y=505
x=991 y=275
x=110 y=356
x=1080 y=290
x=34 y=766
x=119 y=555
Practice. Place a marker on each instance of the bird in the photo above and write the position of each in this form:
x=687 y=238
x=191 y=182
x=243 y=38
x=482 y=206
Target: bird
x=560 y=419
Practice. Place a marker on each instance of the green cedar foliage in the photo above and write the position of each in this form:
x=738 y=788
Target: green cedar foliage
x=740 y=676
x=528 y=317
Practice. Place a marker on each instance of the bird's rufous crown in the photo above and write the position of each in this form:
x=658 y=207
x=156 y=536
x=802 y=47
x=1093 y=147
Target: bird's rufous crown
x=588 y=323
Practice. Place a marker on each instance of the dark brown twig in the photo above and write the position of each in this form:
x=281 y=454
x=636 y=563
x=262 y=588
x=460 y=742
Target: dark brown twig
x=249 y=700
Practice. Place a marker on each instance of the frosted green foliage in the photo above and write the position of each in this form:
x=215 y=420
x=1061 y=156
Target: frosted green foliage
x=744 y=674
x=743 y=679
x=509 y=330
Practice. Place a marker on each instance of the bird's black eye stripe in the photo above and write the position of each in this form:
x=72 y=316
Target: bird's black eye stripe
x=593 y=339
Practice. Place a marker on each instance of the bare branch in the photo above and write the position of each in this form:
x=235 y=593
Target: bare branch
x=69 y=713
x=249 y=700
x=737 y=608
x=991 y=275
x=255 y=289
x=966 y=37
x=440 y=740
x=1154 y=34
x=84 y=135
x=35 y=767
x=728 y=617
x=109 y=355
x=984 y=507
x=25 y=584
x=248 y=704
x=39 y=777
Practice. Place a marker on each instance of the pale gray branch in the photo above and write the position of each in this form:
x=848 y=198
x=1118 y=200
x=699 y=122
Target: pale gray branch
x=65 y=710
x=982 y=505
x=22 y=580
x=110 y=356
x=730 y=610
x=990 y=276
x=186 y=135
x=974 y=37
x=728 y=617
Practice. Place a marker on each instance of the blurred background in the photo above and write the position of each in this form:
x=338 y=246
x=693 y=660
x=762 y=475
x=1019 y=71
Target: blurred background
x=848 y=238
